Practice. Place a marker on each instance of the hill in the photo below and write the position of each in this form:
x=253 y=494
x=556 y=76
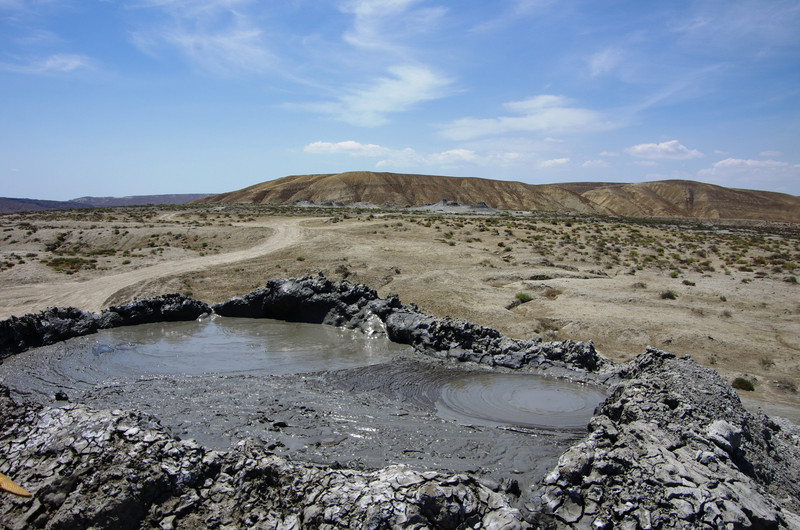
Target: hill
x=137 y=200
x=669 y=198
x=12 y=205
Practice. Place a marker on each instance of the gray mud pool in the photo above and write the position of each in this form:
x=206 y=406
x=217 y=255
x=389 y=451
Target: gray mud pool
x=317 y=393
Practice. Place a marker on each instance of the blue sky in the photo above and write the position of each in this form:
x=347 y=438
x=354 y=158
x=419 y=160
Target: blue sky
x=130 y=97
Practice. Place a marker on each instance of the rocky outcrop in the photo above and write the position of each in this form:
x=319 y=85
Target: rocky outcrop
x=321 y=301
x=114 y=469
x=56 y=323
x=672 y=447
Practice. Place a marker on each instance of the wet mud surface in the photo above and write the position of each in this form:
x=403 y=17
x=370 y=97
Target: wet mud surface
x=318 y=394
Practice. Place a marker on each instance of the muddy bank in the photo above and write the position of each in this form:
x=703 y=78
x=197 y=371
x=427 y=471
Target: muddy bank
x=672 y=447
x=55 y=324
x=318 y=300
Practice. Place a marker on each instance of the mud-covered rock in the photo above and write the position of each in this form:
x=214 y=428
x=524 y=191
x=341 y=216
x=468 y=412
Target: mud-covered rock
x=114 y=469
x=165 y=308
x=321 y=301
x=673 y=447
x=55 y=324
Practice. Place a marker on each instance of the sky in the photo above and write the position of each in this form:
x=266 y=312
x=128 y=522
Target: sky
x=136 y=97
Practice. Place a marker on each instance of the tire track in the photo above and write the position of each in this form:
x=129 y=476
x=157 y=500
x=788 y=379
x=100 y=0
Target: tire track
x=90 y=295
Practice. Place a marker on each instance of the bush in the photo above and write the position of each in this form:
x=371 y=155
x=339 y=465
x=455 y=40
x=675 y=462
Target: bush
x=740 y=383
x=669 y=295
x=523 y=297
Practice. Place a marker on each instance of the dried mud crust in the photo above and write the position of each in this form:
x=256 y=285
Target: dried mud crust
x=104 y=469
x=672 y=447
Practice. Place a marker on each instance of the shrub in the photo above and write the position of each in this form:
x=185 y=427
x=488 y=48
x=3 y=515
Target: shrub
x=669 y=295
x=523 y=297
x=740 y=383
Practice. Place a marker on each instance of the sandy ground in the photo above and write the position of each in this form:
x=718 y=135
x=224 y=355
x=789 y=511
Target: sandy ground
x=726 y=295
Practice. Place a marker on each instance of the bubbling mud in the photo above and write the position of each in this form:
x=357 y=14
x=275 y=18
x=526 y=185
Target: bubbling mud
x=518 y=399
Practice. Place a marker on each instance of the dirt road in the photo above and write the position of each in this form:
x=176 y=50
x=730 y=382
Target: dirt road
x=90 y=295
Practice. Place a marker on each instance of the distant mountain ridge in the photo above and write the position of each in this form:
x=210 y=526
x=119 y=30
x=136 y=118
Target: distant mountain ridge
x=12 y=205
x=666 y=198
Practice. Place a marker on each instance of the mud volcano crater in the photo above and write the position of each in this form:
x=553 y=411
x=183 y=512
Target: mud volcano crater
x=194 y=421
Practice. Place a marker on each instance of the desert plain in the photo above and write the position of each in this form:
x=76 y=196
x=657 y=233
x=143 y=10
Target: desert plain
x=723 y=292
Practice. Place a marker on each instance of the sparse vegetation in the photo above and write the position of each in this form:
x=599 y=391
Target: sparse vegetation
x=523 y=297
x=699 y=263
x=740 y=383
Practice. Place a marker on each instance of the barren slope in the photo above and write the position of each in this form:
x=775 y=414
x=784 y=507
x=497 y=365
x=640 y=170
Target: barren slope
x=683 y=198
x=672 y=198
x=409 y=190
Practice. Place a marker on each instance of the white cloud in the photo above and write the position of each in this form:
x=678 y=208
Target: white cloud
x=739 y=163
x=541 y=114
x=408 y=157
x=604 y=62
x=756 y=27
x=348 y=147
x=368 y=106
x=672 y=150
x=217 y=35
x=770 y=153
x=60 y=62
x=609 y=153
x=513 y=13
x=749 y=173
x=454 y=156
x=233 y=50
x=596 y=163
x=537 y=103
x=380 y=24
x=555 y=162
